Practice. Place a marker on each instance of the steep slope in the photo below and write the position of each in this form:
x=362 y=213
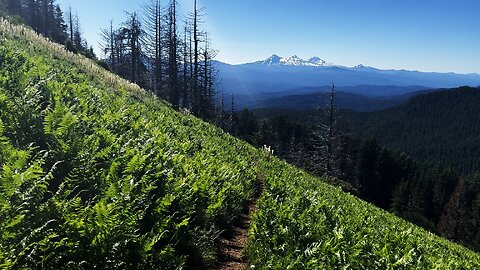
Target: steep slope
x=303 y=223
x=95 y=173
x=441 y=126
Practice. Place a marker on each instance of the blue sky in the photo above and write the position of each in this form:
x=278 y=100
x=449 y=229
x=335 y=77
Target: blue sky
x=426 y=35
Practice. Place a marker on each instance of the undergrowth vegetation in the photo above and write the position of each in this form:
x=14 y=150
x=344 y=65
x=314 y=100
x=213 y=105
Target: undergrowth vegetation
x=97 y=174
x=304 y=223
x=99 y=177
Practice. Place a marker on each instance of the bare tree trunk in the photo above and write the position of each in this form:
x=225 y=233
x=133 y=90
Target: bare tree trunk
x=112 y=47
x=158 y=80
x=197 y=99
x=70 y=21
x=185 y=69
x=173 y=66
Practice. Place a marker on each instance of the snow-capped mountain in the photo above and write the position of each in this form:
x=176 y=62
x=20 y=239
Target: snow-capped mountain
x=277 y=76
x=276 y=60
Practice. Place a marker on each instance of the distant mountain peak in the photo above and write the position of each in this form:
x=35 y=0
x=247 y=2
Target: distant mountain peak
x=315 y=59
x=294 y=60
x=270 y=61
x=319 y=61
x=363 y=67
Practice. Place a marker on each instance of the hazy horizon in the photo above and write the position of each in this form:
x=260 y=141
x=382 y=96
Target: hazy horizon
x=434 y=36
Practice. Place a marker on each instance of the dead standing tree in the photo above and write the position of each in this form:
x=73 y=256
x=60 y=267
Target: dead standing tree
x=323 y=141
x=172 y=80
x=155 y=44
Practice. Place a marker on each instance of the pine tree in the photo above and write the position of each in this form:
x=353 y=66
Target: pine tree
x=232 y=117
x=59 y=28
x=365 y=172
x=46 y=17
x=400 y=198
x=14 y=6
x=31 y=14
x=453 y=220
x=71 y=30
x=247 y=126
x=222 y=119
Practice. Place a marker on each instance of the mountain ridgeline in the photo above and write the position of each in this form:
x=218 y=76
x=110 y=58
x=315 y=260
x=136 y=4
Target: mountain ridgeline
x=277 y=76
x=96 y=173
x=343 y=99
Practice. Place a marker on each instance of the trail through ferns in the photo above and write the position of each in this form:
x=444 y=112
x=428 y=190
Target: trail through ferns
x=234 y=240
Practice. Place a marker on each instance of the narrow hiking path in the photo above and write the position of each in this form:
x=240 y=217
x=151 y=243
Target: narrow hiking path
x=234 y=240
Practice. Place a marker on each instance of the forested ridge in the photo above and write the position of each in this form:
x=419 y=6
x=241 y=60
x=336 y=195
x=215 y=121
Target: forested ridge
x=98 y=173
x=439 y=126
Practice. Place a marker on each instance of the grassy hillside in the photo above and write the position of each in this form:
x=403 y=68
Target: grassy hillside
x=440 y=126
x=95 y=173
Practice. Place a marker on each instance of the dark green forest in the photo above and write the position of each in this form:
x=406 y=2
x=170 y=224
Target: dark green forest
x=439 y=126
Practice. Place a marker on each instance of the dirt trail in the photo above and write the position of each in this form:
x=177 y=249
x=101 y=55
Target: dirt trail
x=234 y=240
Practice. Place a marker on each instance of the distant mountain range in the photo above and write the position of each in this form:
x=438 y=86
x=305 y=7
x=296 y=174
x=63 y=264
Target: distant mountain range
x=277 y=77
x=276 y=60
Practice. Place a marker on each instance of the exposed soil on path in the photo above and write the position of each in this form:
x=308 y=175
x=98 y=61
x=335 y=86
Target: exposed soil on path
x=234 y=240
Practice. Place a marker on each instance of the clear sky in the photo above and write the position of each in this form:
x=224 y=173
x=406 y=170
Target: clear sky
x=426 y=35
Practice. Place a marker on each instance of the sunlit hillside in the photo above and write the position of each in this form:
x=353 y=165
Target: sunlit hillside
x=96 y=173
